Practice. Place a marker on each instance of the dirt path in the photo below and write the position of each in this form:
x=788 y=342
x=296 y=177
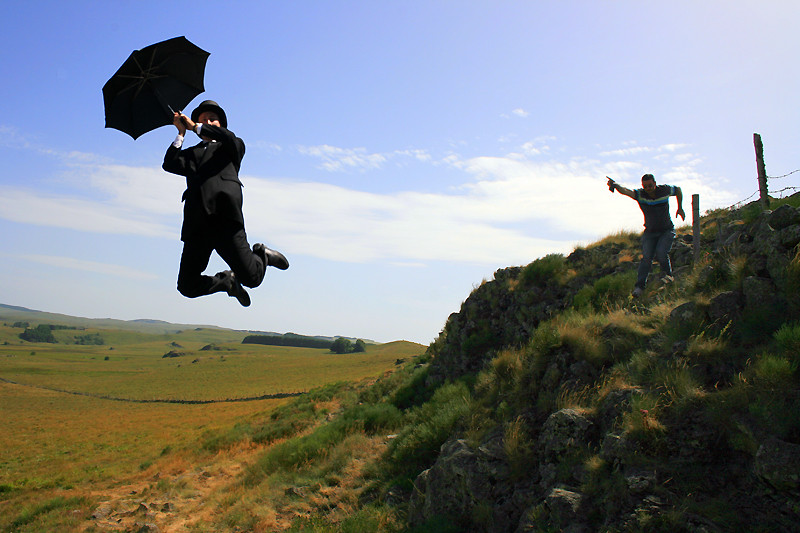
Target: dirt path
x=170 y=500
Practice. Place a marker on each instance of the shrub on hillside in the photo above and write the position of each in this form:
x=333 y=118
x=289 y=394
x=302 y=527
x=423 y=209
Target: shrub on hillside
x=605 y=292
x=544 y=270
x=788 y=340
x=41 y=333
x=428 y=427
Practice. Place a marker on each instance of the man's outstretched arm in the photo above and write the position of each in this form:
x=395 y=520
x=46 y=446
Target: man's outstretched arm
x=614 y=186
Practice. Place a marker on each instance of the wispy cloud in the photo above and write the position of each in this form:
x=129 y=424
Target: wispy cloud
x=78 y=213
x=508 y=209
x=518 y=112
x=88 y=266
x=335 y=159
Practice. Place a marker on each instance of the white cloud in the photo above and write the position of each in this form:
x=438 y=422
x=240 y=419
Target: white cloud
x=624 y=152
x=508 y=209
x=337 y=159
x=77 y=213
x=520 y=112
x=88 y=266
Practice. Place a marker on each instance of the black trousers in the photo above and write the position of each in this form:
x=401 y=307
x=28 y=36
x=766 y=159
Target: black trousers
x=229 y=240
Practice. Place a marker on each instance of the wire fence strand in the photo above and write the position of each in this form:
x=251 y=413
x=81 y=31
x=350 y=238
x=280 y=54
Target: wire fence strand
x=784 y=176
x=740 y=203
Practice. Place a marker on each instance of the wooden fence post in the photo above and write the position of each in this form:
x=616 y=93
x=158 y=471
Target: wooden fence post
x=762 y=172
x=696 y=226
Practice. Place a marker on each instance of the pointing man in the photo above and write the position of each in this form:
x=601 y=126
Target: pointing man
x=659 y=232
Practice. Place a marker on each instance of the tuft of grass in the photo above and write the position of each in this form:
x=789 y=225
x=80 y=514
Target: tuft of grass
x=642 y=421
x=297 y=452
x=582 y=335
x=678 y=383
x=547 y=269
x=427 y=427
x=40 y=516
x=623 y=237
x=519 y=448
x=772 y=371
x=787 y=339
x=605 y=292
x=414 y=391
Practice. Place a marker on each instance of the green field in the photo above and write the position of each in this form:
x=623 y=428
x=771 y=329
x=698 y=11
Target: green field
x=76 y=418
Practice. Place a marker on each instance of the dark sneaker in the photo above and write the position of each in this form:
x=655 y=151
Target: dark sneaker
x=637 y=291
x=237 y=291
x=271 y=257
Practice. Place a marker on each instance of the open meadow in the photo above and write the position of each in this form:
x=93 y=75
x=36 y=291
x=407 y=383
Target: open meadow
x=79 y=420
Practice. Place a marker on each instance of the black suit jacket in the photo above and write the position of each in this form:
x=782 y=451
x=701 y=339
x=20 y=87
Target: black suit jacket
x=212 y=178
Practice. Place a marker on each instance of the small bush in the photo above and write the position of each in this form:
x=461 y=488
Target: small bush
x=428 y=427
x=788 y=341
x=772 y=371
x=544 y=270
x=414 y=391
x=605 y=292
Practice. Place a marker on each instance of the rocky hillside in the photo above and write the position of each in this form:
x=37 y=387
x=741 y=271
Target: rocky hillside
x=589 y=411
x=552 y=401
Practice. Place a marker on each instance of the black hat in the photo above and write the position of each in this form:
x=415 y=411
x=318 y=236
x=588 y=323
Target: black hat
x=210 y=105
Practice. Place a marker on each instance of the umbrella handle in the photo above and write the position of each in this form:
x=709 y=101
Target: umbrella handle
x=173 y=112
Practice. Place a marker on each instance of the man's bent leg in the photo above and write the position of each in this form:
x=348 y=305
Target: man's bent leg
x=231 y=244
x=663 y=246
x=648 y=251
x=194 y=260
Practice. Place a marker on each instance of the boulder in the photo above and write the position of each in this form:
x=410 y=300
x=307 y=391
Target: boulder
x=765 y=239
x=461 y=480
x=614 y=405
x=681 y=253
x=564 y=430
x=783 y=217
x=687 y=317
x=562 y=510
x=724 y=308
x=790 y=236
x=616 y=448
x=778 y=464
x=759 y=293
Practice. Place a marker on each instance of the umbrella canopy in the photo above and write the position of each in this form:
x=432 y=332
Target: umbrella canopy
x=152 y=82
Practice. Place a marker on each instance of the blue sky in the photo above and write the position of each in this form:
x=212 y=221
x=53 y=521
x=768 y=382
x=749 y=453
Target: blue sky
x=397 y=152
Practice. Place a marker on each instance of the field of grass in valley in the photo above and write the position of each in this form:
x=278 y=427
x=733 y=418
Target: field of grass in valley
x=81 y=428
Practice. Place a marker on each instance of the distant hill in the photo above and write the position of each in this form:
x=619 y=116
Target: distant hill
x=14 y=313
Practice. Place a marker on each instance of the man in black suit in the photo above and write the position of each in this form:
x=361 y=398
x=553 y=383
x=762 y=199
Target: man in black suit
x=212 y=211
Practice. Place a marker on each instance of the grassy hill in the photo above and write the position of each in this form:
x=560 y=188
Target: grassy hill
x=551 y=401
x=79 y=421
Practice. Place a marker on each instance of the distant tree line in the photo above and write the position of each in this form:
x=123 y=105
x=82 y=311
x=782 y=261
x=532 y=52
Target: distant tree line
x=41 y=333
x=44 y=333
x=299 y=341
x=340 y=345
x=89 y=339
x=343 y=345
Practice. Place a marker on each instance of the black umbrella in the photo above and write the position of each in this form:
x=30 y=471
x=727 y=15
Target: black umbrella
x=152 y=82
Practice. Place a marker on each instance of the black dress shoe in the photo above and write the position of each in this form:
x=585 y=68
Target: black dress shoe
x=237 y=291
x=271 y=257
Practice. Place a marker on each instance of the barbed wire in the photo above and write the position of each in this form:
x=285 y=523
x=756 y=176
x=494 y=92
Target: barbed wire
x=784 y=189
x=785 y=175
x=740 y=203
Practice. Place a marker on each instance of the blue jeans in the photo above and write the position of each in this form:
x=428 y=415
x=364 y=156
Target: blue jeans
x=655 y=245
